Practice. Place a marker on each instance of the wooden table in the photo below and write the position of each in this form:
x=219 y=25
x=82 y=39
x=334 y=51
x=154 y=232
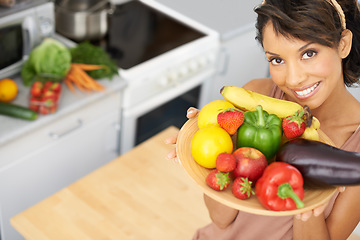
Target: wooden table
x=139 y=195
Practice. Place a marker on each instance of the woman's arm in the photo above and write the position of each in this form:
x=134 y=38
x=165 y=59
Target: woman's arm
x=342 y=220
x=220 y=214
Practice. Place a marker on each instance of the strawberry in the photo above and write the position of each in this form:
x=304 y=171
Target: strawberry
x=294 y=125
x=48 y=84
x=218 y=180
x=34 y=104
x=230 y=119
x=49 y=95
x=56 y=87
x=241 y=188
x=225 y=162
x=53 y=86
x=36 y=89
x=44 y=110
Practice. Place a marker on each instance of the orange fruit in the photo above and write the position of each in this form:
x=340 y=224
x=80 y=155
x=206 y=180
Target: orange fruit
x=207 y=143
x=8 y=90
x=208 y=114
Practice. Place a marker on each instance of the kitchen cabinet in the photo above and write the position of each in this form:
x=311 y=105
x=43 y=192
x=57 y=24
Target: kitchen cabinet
x=49 y=157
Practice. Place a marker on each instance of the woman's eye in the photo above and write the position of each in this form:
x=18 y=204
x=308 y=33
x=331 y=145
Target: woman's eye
x=309 y=54
x=276 y=61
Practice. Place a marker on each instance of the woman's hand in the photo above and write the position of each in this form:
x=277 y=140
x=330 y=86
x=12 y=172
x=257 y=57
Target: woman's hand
x=316 y=211
x=191 y=113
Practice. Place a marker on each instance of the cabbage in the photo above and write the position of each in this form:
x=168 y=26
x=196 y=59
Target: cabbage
x=50 y=58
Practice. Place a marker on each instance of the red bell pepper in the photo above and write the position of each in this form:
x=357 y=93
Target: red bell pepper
x=280 y=188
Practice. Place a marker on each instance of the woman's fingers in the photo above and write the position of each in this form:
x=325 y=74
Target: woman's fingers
x=172 y=139
x=171 y=154
x=304 y=216
x=192 y=112
x=316 y=212
x=341 y=189
x=319 y=210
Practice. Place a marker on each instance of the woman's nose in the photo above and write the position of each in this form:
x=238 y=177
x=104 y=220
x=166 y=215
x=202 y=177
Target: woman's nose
x=295 y=75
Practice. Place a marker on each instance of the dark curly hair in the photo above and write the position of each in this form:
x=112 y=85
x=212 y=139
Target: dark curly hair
x=315 y=21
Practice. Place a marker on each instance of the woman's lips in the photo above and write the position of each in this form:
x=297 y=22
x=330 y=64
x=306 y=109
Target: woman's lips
x=307 y=92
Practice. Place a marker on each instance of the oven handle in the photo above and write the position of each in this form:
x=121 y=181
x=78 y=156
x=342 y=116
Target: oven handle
x=56 y=136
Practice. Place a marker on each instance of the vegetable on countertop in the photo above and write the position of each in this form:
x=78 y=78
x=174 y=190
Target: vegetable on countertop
x=87 y=53
x=79 y=78
x=322 y=162
x=16 y=111
x=50 y=57
x=262 y=131
x=44 y=96
x=280 y=188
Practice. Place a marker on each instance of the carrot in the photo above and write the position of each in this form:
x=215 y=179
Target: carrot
x=88 y=67
x=69 y=84
x=87 y=80
x=79 y=78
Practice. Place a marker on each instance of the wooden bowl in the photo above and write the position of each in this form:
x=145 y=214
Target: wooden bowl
x=315 y=194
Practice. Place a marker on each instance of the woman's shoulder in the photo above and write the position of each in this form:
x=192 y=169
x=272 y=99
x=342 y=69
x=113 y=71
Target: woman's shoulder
x=260 y=85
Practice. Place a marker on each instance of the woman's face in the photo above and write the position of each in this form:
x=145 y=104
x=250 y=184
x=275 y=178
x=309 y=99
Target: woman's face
x=308 y=73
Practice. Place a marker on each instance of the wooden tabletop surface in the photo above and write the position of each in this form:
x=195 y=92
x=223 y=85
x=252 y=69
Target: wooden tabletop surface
x=139 y=195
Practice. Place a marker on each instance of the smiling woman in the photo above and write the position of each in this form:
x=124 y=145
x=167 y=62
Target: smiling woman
x=313 y=48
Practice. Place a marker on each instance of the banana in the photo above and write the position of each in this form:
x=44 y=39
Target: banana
x=247 y=100
x=311 y=133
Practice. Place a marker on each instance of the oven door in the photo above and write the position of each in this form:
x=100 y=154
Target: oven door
x=166 y=109
x=167 y=60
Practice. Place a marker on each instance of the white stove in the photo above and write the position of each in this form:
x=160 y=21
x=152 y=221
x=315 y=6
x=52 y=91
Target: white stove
x=161 y=55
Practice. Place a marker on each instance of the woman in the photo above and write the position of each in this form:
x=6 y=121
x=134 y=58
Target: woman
x=313 y=48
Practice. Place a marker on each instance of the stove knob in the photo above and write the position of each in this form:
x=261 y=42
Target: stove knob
x=184 y=71
x=173 y=76
x=163 y=81
x=193 y=66
x=203 y=61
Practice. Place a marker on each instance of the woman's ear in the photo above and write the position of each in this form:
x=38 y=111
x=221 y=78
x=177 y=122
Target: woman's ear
x=345 y=43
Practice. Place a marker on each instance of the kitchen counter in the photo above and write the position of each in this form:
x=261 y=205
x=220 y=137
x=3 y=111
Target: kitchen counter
x=38 y=158
x=139 y=195
x=13 y=128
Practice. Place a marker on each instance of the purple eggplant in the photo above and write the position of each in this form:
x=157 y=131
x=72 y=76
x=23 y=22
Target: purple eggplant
x=321 y=162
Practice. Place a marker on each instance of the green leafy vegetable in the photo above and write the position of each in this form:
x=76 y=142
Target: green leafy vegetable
x=87 y=53
x=50 y=58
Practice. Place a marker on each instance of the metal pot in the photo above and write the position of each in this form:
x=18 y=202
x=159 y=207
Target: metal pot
x=82 y=20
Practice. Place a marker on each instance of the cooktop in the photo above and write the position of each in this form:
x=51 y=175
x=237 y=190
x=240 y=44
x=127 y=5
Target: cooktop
x=138 y=32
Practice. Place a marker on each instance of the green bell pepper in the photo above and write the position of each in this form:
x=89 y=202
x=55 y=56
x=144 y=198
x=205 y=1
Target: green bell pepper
x=262 y=131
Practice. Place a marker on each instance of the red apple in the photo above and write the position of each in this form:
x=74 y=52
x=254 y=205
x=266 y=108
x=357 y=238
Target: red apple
x=250 y=163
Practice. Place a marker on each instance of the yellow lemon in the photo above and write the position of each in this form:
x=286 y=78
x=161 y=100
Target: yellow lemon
x=8 y=90
x=208 y=114
x=207 y=143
